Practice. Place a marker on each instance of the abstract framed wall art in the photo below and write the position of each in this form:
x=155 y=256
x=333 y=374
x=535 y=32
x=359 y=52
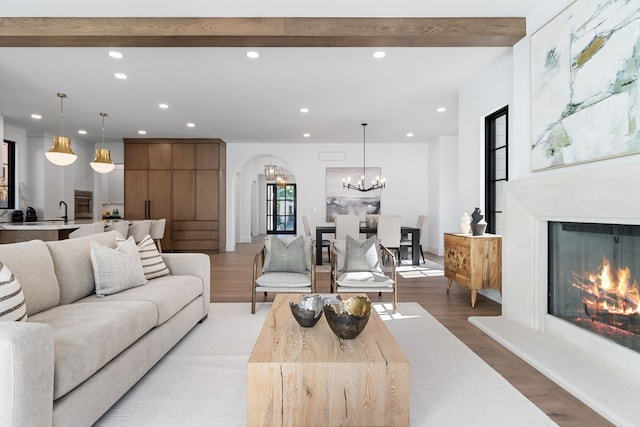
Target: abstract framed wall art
x=585 y=93
x=341 y=201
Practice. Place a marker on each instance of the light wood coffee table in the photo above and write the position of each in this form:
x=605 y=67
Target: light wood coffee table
x=309 y=377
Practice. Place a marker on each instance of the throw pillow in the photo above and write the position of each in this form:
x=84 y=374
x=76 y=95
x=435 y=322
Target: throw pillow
x=152 y=263
x=285 y=258
x=115 y=270
x=362 y=255
x=12 y=305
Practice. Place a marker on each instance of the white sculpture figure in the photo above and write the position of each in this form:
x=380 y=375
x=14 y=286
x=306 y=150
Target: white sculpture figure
x=465 y=223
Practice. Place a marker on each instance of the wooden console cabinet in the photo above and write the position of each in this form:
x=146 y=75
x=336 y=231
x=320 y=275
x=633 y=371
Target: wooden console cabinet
x=473 y=261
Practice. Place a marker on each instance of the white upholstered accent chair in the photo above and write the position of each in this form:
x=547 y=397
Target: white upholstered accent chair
x=356 y=266
x=389 y=232
x=156 y=231
x=284 y=264
x=347 y=225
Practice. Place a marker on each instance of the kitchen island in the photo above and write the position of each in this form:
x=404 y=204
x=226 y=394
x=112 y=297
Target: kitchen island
x=11 y=232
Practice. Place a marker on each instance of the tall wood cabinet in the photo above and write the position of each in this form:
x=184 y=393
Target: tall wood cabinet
x=182 y=180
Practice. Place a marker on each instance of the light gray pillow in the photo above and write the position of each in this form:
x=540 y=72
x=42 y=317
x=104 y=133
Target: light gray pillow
x=115 y=270
x=362 y=255
x=284 y=257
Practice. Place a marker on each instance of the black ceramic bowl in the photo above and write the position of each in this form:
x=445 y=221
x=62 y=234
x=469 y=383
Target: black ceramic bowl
x=308 y=312
x=348 y=318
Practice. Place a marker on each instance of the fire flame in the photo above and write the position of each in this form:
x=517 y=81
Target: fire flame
x=613 y=290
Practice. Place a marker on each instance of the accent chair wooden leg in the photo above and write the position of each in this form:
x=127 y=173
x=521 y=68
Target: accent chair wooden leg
x=474 y=295
x=253 y=301
x=449 y=284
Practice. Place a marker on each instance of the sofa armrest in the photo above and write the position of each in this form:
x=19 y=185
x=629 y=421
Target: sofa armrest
x=26 y=374
x=194 y=264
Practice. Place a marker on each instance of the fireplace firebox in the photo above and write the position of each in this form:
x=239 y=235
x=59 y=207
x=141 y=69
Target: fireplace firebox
x=593 y=278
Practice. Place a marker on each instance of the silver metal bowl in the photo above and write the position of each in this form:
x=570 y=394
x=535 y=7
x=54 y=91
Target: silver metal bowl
x=308 y=312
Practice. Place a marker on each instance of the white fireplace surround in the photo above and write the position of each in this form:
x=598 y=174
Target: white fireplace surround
x=604 y=375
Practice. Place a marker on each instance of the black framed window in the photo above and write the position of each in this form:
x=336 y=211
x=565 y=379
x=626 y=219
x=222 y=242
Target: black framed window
x=281 y=209
x=7 y=181
x=496 y=167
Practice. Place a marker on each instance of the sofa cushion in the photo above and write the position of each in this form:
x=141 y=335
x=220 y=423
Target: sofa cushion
x=284 y=280
x=364 y=279
x=115 y=270
x=87 y=336
x=169 y=294
x=37 y=279
x=12 y=306
x=72 y=262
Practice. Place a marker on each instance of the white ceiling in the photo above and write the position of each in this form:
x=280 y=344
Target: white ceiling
x=238 y=99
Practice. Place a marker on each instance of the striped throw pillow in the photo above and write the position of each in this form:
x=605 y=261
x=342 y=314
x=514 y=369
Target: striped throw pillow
x=153 y=265
x=12 y=305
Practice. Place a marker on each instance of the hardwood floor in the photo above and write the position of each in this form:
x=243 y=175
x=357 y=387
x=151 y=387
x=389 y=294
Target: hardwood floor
x=231 y=275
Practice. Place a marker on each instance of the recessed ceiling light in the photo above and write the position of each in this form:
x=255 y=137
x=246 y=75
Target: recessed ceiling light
x=191 y=125
x=410 y=135
x=253 y=54
x=36 y=116
x=379 y=54
x=82 y=132
x=142 y=132
x=304 y=110
x=163 y=106
x=121 y=76
x=115 y=55
x=441 y=109
x=306 y=135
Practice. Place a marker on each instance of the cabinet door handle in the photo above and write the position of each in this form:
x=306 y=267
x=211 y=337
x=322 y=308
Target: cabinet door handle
x=147 y=209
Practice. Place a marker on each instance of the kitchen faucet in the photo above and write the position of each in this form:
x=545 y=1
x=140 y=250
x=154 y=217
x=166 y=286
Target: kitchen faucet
x=62 y=202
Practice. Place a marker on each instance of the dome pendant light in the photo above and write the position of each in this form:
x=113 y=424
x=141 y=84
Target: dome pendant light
x=60 y=152
x=102 y=163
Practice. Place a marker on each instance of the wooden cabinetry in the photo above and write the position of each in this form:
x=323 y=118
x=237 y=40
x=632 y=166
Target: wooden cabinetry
x=473 y=261
x=187 y=176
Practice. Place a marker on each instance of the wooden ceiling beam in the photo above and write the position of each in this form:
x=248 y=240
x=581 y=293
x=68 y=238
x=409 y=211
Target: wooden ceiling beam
x=260 y=32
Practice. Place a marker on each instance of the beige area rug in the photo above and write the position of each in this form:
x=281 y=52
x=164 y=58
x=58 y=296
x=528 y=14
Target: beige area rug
x=203 y=380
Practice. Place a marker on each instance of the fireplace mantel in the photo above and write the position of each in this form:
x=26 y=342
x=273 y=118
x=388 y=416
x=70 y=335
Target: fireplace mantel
x=602 y=374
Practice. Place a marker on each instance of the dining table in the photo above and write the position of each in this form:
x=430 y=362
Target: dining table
x=404 y=230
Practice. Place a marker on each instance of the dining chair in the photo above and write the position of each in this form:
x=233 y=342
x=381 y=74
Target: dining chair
x=347 y=225
x=356 y=266
x=406 y=242
x=326 y=243
x=389 y=232
x=284 y=264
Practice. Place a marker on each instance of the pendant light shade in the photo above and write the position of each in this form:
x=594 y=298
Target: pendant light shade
x=60 y=152
x=270 y=171
x=102 y=163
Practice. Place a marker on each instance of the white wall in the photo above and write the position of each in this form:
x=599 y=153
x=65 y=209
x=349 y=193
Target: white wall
x=403 y=164
x=488 y=92
x=443 y=192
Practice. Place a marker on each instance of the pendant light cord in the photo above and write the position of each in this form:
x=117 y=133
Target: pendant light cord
x=364 y=153
x=62 y=96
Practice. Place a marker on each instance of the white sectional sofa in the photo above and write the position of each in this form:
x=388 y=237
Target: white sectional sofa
x=77 y=354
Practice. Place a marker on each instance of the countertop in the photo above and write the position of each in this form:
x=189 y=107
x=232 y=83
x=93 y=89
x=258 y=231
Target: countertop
x=43 y=225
